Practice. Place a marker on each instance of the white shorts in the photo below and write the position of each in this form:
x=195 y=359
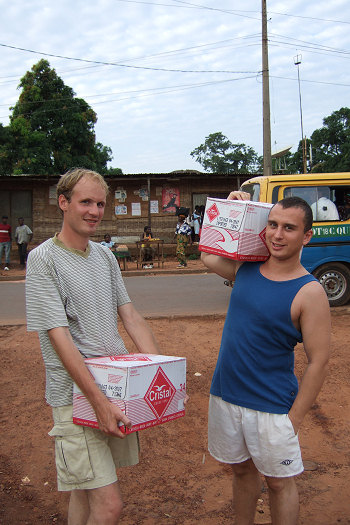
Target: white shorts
x=236 y=434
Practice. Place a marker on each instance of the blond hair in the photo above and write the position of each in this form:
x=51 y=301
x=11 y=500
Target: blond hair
x=68 y=181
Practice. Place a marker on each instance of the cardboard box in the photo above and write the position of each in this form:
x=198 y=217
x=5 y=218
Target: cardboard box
x=150 y=389
x=235 y=229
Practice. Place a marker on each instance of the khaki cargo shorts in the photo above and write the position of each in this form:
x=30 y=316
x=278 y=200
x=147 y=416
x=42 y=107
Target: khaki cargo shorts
x=86 y=458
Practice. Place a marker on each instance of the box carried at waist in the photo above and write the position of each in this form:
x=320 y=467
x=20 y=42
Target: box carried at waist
x=150 y=389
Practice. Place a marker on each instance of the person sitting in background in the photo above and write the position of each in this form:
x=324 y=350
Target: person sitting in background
x=108 y=242
x=183 y=237
x=324 y=209
x=146 y=249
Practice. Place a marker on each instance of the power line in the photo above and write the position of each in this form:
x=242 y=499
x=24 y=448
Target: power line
x=188 y=5
x=313 y=81
x=122 y=65
x=310 y=18
x=137 y=94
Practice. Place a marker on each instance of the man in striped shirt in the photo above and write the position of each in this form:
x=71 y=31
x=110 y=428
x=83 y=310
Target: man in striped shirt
x=74 y=294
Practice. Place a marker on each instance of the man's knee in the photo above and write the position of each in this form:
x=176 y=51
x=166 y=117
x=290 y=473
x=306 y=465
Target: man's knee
x=107 y=507
x=108 y=514
x=280 y=484
x=245 y=468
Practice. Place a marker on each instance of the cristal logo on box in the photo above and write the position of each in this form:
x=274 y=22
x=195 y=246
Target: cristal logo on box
x=160 y=393
x=213 y=212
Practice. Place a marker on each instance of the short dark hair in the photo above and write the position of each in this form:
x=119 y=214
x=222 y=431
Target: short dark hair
x=4 y=217
x=68 y=181
x=297 y=202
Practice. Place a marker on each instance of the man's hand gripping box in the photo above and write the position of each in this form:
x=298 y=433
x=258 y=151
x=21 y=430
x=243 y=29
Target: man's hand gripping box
x=150 y=389
x=235 y=229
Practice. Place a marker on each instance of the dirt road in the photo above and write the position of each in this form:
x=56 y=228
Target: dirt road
x=176 y=482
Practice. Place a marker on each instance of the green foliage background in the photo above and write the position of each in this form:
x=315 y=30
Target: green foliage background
x=50 y=130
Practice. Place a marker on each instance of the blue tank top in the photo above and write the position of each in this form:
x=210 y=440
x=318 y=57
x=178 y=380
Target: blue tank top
x=255 y=367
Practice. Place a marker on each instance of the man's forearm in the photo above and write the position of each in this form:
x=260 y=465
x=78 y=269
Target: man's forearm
x=310 y=387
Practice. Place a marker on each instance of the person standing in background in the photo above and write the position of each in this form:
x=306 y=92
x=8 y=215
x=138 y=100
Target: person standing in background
x=183 y=237
x=5 y=241
x=196 y=223
x=23 y=236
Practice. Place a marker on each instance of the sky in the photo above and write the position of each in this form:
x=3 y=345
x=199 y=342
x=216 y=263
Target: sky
x=162 y=75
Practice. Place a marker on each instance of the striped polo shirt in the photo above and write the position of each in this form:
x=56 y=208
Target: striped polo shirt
x=80 y=290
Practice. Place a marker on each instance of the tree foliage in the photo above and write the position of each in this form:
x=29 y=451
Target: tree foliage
x=50 y=129
x=219 y=155
x=331 y=143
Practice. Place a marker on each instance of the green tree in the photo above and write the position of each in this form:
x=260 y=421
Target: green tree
x=294 y=162
x=331 y=143
x=219 y=155
x=6 y=150
x=51 y=130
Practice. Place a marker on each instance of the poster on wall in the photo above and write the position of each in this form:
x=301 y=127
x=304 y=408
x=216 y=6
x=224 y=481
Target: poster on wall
x=52 y=194
x=170 y=199
x=120 y=195
x=121 y=209
x=143 y=193
x=136 y=208
x=154 y=207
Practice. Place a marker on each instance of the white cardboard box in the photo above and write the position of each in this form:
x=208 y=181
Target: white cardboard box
x=235 y=229
x=150 y=389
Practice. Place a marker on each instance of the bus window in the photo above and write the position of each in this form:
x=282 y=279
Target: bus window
x=275 y=194
x=253 y=190
x=308 y=193
x=342 y=200
x=320 y=198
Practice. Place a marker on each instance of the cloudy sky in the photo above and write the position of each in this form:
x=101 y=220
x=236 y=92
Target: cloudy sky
x=164 y=74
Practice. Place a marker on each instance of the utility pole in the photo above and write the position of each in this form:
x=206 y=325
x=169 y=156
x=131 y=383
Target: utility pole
x=149 y=201
x=266 y=96
x=297 y=62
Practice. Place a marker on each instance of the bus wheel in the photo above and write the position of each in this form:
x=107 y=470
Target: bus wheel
x=335 y=279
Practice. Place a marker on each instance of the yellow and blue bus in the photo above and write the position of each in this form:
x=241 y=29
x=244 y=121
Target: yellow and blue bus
x=327 y=256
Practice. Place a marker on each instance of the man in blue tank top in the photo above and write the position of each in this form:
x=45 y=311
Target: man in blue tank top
x=256 y=407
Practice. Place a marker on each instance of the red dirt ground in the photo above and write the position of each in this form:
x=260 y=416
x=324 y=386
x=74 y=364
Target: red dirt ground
x=176 y=482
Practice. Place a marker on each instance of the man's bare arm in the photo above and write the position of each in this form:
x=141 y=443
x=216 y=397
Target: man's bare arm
x=138 y=329
x=226 y=268
x=315 y=325
x=107 y=413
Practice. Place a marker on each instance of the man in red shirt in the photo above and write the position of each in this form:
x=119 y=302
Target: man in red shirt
x=5 y=241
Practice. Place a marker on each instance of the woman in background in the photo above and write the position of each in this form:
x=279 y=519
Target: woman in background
x=183 y=238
